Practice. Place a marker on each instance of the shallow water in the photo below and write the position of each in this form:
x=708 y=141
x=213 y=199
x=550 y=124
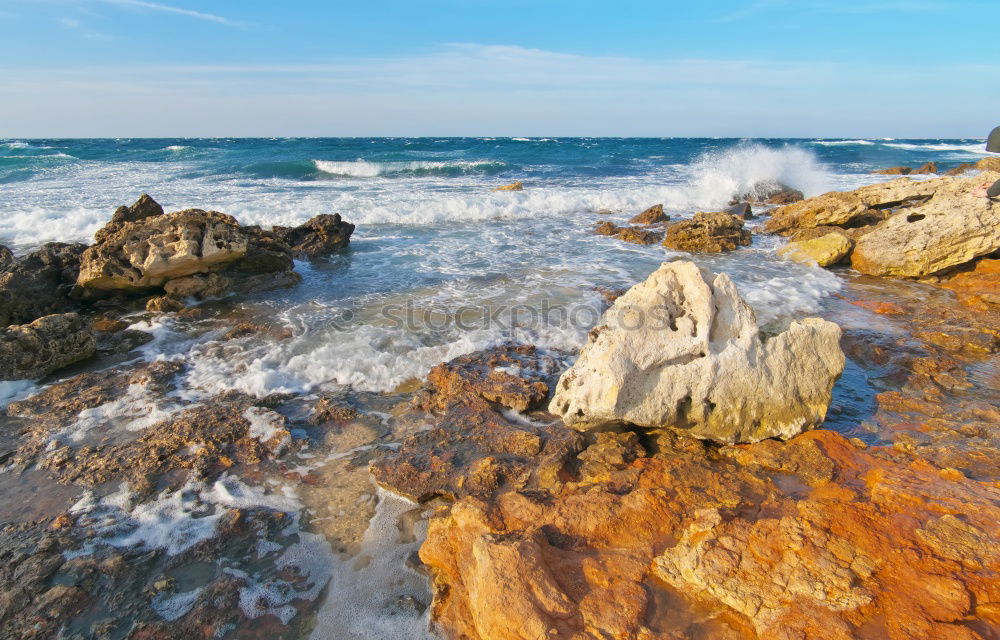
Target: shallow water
x=438 y=267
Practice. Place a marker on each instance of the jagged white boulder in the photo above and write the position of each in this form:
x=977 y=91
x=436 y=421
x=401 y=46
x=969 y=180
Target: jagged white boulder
x=682 y=350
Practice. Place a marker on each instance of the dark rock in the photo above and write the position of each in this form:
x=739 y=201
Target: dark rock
x=164 y=304
x=319 y=236
x=741 y=210
x=39 y=283
x=652 y=215
x=606 y=229
x=6 y=258
x=637 y=235
x=50 y=343
x=927 y=168
x=707 y=232
x=144 y=207
x=769 y=193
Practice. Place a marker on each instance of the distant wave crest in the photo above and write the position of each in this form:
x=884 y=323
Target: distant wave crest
x=366 y=169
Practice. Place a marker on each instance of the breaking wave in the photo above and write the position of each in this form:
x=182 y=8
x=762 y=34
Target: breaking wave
x=366 y=169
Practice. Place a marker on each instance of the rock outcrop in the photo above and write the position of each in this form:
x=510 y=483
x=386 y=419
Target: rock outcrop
x=144 y=255
x=927 y=168
x=707 y=232
x=824 y=250
x=951 y=228
x=319 y=236
x=6 y=258
x=39 y=283
x=48 y=344
x=634 y=235
x=682 y=350
x=144 y=207
x=652 y=215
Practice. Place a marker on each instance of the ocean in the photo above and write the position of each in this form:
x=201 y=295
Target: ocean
x=440 y=265
x=431 y=236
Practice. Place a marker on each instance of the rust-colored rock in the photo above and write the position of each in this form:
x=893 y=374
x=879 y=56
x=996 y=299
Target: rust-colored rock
x=979 y=287
x=707 y=232
x=652 y=215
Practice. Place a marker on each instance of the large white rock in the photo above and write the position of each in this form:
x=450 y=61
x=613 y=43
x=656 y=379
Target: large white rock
x=683 y=350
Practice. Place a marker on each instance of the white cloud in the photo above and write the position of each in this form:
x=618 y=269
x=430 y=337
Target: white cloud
x=155 y=6
x=470 y=89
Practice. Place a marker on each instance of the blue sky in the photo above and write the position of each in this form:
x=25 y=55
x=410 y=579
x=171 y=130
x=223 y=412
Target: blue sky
x=920 y=68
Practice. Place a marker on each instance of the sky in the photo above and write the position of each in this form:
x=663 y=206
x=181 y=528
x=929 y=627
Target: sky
x=768 y=68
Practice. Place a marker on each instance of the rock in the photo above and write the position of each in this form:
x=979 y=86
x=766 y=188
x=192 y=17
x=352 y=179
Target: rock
x=979 y=287
x=683 y=351
x=144 y=207
x=39 y=283
x=219 y=285
x=470 y=446
x=652 y=215
x=48 y=344
x=6 y=258
x=707 y=232
x=604 y=212
x=318 y=236
x=514 y=186
x=929 y=167
x=164 y=304
x=814 y=538
x=636 y=235
x=741 y=210
x=951 y=228
x=868 y=205
x=990 y=163
x=606 y=229
x=960 y=169
x=894 y=171
x=769 y=192
x=143 y=255
x=825 y=250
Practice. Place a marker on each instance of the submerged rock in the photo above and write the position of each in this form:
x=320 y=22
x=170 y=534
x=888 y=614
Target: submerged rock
x=39 y=283
x=144 y=255
x=318 y=236
x=48 y=344
x=682 y=350
x=514 y=186
x=707 y=232
x=652 y=215
x=825 y=250
x=634 y=235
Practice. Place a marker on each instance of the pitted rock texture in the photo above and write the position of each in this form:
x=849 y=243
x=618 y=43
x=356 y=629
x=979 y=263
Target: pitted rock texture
x=144 y=207
x=652 y=215
x=318 y=236
x=39 y=283
x=144 y=255
x=682 y=350
x=31 y=351
x=707 y=233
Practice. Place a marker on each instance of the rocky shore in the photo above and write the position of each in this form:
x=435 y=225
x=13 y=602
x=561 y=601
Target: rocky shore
x=685 y=475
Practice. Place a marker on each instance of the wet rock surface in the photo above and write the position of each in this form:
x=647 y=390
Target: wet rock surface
x=652 y=215
x=319 y=236
x=39 y=283
x=30 y=351
x=708 y=233
x=633 y=235
x=824 y=250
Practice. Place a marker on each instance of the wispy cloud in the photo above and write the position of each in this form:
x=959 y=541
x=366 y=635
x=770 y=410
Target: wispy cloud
x=155 y=6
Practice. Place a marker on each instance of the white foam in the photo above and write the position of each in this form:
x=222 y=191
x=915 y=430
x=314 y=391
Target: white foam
x=171 y=607
x=836 y=143
x=14 y=390
x=365 y=169
x=176 y=147
x=977 y=148
x=266 y=425
x=134 y=410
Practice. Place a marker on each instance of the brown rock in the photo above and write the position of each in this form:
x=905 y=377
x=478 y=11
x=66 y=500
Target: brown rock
x=514 y=186
x=979 y=287
x=319 y=236
x=960 y=169
x=38 y=284
x=6 y=258
x=894 y=171
x=652 y=215
x=606 y=229
x=637 y=235
x=144 y=207
x=707 y=232
x=48 y=344
x=929 y=167
x=164 y=304
x=144 y=255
